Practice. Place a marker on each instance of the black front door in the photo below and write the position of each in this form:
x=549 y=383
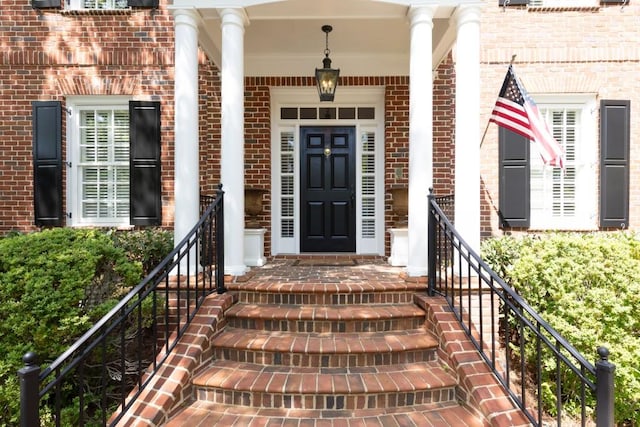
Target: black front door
x=328 y=185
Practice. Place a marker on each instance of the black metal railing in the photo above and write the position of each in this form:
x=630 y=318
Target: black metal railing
x=99 y=377
x=511 y=337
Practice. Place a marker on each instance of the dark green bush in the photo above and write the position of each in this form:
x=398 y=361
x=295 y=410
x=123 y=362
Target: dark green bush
x=148 y=246
x=55 y=284
x=587 y=287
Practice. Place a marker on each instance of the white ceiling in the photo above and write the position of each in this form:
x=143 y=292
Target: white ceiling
x=284 y=37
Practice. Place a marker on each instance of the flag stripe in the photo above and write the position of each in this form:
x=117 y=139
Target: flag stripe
x=515 y=110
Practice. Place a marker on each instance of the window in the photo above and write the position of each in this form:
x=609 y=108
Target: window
x=564 y=198
x=113 y=162
x=541 y=197
x=103 y=165
x=98 y=4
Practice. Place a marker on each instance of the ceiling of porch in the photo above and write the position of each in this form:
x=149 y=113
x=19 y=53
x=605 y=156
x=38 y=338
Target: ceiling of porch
x=284 y=37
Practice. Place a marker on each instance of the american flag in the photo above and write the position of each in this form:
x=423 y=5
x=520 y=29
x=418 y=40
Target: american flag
x=516 y=111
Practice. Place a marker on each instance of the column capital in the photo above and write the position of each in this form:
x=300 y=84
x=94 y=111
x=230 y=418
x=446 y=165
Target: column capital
x=422 y=14
x=467 y=13
x=236 y=16
x=185 y=15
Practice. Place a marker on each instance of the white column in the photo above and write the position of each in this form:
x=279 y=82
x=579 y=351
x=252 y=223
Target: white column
x=467 y=148
x=232 y=134
x=420 y=135
x=186 y=183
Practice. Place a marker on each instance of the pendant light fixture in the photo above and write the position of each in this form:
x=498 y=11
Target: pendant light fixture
x=327 y=77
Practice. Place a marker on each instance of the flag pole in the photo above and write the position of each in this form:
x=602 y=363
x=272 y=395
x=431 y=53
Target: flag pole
x=513 y=58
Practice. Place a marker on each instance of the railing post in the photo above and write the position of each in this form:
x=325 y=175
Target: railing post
x=220 y=243
x=605 y=389
x=29 y=391
x=431 y=244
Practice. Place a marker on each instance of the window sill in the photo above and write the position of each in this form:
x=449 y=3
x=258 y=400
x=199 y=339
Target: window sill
x=534 y=9
x=96 y=12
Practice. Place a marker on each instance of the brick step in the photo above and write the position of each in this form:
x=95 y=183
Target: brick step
x=358 y=292
x=316 y=318
x=209 y=414
x=251 y=385
x=323 y=349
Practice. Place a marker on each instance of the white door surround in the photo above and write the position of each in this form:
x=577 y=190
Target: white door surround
x=362 y=107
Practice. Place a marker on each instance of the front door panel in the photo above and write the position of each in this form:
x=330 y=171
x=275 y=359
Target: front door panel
x=328 y=187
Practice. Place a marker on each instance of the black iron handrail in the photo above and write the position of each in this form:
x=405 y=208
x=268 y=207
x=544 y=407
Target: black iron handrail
x=500 y=324
x=99 y=377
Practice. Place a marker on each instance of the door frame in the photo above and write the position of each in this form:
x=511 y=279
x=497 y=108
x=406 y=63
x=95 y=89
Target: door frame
x=285 y=239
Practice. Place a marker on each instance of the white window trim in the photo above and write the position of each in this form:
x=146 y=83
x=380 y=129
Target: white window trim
x=308 y=97
x=586 y=176
x=78 y=5
x=74 y=104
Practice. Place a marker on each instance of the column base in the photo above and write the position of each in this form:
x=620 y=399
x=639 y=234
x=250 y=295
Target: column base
x=254 y=247
x=399 y=247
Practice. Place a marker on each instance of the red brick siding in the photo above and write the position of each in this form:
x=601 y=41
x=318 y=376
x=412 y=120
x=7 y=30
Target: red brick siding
x=258 y=133
x=574 y=50
x=51 y=54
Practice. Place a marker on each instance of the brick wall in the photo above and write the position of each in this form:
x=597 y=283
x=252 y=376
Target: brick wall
x=258 y=133
x=52 y=54
x=571 y=50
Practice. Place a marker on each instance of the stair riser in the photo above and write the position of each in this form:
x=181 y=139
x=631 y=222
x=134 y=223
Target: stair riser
x=285 y=325
x=324 y=360
x=324 y=299
x=327 y=402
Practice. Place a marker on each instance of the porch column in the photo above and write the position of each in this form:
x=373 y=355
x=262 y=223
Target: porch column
x=420 y=135
x=232 y=134
x=186 y=167
x=467 y=144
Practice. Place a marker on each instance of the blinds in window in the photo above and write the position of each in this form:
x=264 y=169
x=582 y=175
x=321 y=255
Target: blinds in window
x=104 y=164
x=368 y=213
x=286 y=185
x=553 y=190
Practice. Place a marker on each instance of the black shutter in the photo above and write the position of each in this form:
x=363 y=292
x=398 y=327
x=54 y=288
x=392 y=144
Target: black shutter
x=614 y=163
x=514 y=179
x=43 y=4
x=513 y=2
x=47 y=162
x=144 y=137
x=142 y=3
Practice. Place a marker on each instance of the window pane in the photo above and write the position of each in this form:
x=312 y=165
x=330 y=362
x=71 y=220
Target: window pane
x=553 y=190
x=104 y=164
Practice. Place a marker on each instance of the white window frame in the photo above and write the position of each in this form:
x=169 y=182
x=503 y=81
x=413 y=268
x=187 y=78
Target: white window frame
x=74 y=183
x=563 y=3
x=100 y=5
x=586 y=197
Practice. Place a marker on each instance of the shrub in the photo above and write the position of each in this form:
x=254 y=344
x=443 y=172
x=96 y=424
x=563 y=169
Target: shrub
x=148 y=246
x=587 y=287
x=54 y=285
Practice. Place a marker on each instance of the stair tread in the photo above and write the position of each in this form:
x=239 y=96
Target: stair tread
x=242 y=376
x=317 y=312
x=203 y=413
x=342 y=287
x=334 y=343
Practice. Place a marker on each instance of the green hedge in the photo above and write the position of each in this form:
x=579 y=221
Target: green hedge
x=54 y=285
x=587 y=287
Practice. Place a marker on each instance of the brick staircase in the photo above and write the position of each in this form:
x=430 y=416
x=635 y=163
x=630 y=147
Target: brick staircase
x=334 y=347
